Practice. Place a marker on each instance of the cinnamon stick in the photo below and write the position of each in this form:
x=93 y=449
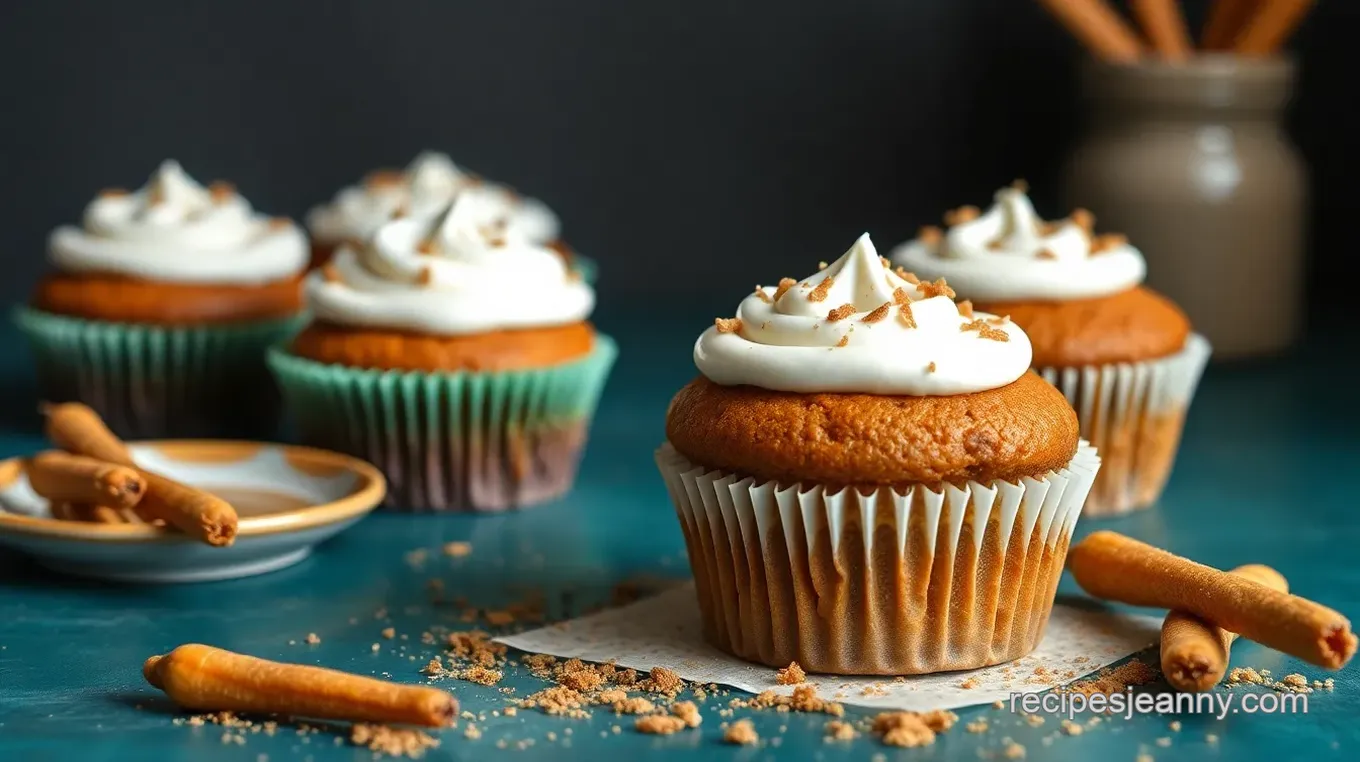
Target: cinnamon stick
x=60 y=476
x=204 y=516
x=1164 y=26
x=1266 y=32
x=1111 y=566
x=211 y=679
x=1225 y=21
x=1195 y=652
x=1097 y=26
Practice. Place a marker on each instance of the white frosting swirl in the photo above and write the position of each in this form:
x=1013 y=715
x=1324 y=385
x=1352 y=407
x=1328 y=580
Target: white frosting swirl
x=424 y=189
x=449 y=275
x=1010 y=254
x=847 y=329
x=176 y=231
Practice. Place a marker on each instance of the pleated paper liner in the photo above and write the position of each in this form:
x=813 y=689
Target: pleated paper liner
x=152 y=381
x=1133 y=413
x=452 y=441
x=883 y=583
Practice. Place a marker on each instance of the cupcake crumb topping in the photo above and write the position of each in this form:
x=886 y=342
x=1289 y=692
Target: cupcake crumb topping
x=904 y=315
x=1107 y=241
x=845 y=341
x=762 y=296
x=280 y=223
x=965 y=308
x=426 y=276
x=384 y=179
x=909 y=277
x=878 y=314
x=938 y=288
x=728 y=325
x=819 y=293
x=985 y=331
x=331 y=274
x=784 y=285
x=113 y=193
x=1046 y=254
x=790 y=675
x=1083 y=219
x=930 y=368
x=930 y=235
x=840 y=313
x=1020 y=185
x=821 y=265
x=961 y=215
x=221 y=191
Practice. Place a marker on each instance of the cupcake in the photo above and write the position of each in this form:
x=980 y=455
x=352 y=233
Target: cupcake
x=1124 y=356
x=161 y=305
x=869 y=478
x=423 y=189
x=453 y=354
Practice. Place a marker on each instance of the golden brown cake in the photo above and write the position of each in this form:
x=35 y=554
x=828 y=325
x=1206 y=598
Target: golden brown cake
x=869 y=478
x=122 y=299
x=385 y=349
x=1123 y=355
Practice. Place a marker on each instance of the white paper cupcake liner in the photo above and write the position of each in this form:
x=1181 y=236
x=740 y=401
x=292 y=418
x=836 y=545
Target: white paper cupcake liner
x=1133 y=413
x=884 y=583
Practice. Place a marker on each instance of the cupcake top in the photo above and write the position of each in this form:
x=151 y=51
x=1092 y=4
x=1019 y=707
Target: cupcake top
x=857 y=325
x=175 y=230
x=1009 y=254
x=451 y=274
x=424 y=189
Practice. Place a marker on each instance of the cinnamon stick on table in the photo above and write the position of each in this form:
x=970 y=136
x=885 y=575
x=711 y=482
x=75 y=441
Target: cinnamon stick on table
x=1195 y=652
x=1266 y=32
x=78 y=429
x=63 y=477
x=211 y=679
x=1111 y=566
x=1098 y=27
x=1226 y=19
x=1165 y=27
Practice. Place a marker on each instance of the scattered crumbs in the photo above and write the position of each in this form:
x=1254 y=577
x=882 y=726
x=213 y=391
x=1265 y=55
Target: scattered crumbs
x=790 y=675
x=625 y=705
x=457 y=549
x=930 y=290
x=658 y=724
x=1013 y=750
x=1071 y=728
x=965 y=308
x=472 y=733
x=1083 y=219
x=836 y=730
x=821 y=265
x=840 y=313
x=819 y=293
x=908 y=729
x=998 y=704
x=764 y=297
x=1163 y=742
x=482 y=675
x=1107 y=241
x=1210 y=738
x=1046 y=254
x=1175 y=726
x=977 y=726
x=845 y=341
x=804 y=699
x=374 y=648
x=784 y=285
x=688 y=713
x=909 y=277
x=396 y=742
x=727 y=325
x=961 y=215
x=741 y=733
x=1115 y=679
x=1034 y=720
x=1144 y=757
x=312 y=638
x=904 y=315
x=930 y=235
x=971 y=682
x=878 y=313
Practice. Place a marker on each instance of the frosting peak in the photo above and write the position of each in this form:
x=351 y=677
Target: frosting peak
x=175 y=230
x=1009 y=253
x=452 y=274
x=859 y=326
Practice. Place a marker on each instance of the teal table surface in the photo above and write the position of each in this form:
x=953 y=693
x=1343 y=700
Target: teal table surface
x=1263 y=476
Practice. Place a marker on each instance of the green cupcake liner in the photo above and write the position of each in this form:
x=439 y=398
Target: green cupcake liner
x=587 y=267
x=152 y=381
x=452 y=441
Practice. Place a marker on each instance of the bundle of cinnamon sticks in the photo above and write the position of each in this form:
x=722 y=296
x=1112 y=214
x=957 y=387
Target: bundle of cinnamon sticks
x=92 y=477
x=1209 y=608
x=1249 y=28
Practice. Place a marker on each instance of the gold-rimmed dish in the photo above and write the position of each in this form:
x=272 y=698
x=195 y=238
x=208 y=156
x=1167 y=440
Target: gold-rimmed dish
x=289 y=499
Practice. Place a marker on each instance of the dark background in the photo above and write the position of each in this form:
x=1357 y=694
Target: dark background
x=692 y=148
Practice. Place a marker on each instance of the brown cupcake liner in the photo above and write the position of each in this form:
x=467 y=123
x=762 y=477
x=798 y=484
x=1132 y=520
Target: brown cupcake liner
x=1134 y=414
x=877 y=583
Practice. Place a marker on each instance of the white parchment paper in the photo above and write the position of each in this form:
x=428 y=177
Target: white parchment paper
x=664 y=631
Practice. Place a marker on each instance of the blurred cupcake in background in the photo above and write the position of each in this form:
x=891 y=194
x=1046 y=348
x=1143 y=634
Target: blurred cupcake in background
x=161 y=306
x=455 y=355
x=424 y=189
x=1123 y=355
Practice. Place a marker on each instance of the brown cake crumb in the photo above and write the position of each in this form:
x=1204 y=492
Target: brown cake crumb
x=905 y=729
x=1070 y=728
x=221 y=191
x=312 y=639
x=886 y=264
x=819 y=293
x=840 y=313
x=822 y=265
x=741 y=733
x=971 y=682
x=475 y=646
x=878 y=314
x=1107 y=241
x=1083 y=219
x=961 y=215
x=482 y=675
x=930 y=368
x=965 y=308
x=688 y=713
x=472 y=732
x=837 y=730
x=1046 y=254
x=1002 y=320
x=930 y=235
x=637 y=705
x=938 y=288
x=659 y=724
x=457 y=549
x=113 y=193
x=1020 y=185
x=1115 y=679
x=330 y=273
x=977 y=726
x=909 y=277
x=389 y=632
x=762 y=296
x=558 y=701
x=728 y=325
x=582 y=680
x=900 y=296
x=426 y=276
x=395 y=742
x=1013 y=750
x=792 y=674
x=845 y=341
x=663 y=681
x=784 y=285
x=904 y=315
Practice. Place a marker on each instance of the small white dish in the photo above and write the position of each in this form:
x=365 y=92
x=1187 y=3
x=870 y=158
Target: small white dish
x=288 y=499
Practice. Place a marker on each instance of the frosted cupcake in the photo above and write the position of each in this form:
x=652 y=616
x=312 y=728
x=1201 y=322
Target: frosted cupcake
x=1123 y=355
x=454 y=355
x=424 y=189
x=869 y=479
x=161 y=305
